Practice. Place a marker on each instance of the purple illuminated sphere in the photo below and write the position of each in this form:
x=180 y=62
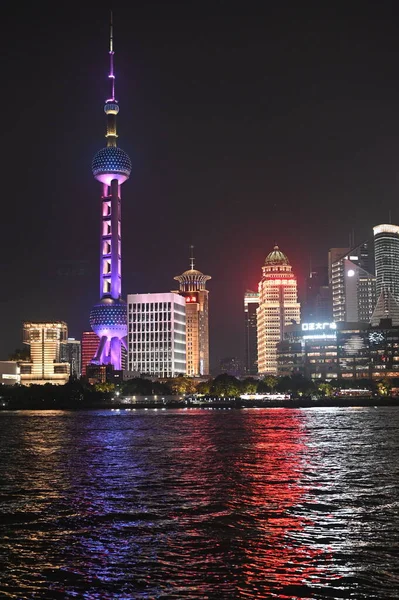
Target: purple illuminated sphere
x=109 y=318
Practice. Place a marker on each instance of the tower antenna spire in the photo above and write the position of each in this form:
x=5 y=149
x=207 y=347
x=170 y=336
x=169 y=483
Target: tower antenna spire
x=111 y=59
x=192 y=257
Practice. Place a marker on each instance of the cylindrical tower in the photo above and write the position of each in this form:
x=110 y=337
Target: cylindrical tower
x=386 y=251
x=112 y=167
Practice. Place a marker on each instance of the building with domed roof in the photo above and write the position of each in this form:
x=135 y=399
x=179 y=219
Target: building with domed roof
x=278 y=307
x=192 y=287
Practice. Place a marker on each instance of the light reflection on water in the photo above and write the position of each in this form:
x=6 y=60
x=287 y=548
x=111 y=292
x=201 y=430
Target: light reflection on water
x=200 y=504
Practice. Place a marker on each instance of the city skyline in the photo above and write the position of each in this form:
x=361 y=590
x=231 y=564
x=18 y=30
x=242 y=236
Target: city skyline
x=352 y=171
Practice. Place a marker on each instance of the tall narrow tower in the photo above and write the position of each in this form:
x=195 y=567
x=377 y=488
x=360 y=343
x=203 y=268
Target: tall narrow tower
x=192 y=287
x=111 y=166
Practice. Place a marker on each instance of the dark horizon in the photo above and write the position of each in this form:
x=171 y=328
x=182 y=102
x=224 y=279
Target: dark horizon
x=243 y=129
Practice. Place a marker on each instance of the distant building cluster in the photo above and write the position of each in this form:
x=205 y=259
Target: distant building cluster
x=348 y=325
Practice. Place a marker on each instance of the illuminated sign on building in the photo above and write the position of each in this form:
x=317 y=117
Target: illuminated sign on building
x=192 y=298
x=318 y=326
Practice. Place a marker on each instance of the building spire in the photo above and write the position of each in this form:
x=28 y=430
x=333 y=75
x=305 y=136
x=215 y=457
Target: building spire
x=192 y=257
x=111 y=60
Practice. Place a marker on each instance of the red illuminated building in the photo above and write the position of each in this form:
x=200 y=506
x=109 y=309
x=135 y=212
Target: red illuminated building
x=89 y=346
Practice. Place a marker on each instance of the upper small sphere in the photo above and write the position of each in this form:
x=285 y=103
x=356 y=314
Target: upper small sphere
x=276 y=257
x=111 y=163
x=111 y=108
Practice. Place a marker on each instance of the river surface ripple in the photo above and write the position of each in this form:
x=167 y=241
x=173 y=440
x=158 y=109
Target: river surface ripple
x=212 y=504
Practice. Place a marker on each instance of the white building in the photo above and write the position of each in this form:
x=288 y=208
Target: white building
x=353 y=286
x=10 y=372
x=278 y=307
x=157 y=334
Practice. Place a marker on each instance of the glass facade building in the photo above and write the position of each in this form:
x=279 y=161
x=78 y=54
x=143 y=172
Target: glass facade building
x=251 y=303
x=71 y=352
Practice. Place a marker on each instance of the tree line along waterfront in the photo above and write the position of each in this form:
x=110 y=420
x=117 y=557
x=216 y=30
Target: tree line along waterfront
x=296 y=389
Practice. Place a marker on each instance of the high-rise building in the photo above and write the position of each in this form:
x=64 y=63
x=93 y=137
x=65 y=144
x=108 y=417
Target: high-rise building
x=111 y=167
x=353 y=285
x=44 y=366
x=192 y=289
x=89 y=347
x=278 y=307
x=251 y=303
x=334 y=254
x=317 y=305
x=386 y=251
x=157 y=334
x=71 y=352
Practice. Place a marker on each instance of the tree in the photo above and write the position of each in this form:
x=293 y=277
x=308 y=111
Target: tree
x=182 y=385
x=249 y=385
x=105 y=387
x=384 y=387
x=268 y=384
x=225 y=385
x=325 y=389
x=204 y=387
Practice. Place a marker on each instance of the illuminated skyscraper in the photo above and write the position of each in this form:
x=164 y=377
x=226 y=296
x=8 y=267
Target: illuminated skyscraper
x=386 y=252
x=111 y=167
x=251 y=303
x=353 y=285
x=278 y=307
x=192 y=287
x=44 y=366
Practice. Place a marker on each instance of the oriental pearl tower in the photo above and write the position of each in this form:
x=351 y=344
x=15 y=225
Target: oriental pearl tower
x=111 y=166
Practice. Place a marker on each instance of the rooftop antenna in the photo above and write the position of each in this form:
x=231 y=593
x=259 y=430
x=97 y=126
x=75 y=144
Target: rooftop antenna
x=390 y=216
x=192 y=257
x=111 y=59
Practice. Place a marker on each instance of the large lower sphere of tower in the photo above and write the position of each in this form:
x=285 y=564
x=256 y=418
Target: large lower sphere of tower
x=111 y=163
x=109 y=318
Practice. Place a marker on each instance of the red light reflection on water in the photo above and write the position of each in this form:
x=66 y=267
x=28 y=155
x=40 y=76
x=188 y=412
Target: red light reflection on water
x=279 y=552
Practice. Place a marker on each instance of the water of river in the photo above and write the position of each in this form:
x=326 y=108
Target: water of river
x=211 y=504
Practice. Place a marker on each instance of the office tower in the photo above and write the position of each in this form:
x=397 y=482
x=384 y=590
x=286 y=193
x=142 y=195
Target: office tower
x=157 y=334
x=334 y=254
x=317 y=306
x=111 y=167
x=386 y=251
x=251 y=303
x=192 y=288
x=278 y=307
x=71 y=352
x=44 y=366
x=89 y=347
x=354 y=285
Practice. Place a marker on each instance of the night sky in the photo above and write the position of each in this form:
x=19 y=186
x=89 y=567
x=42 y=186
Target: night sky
x=245 y=126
